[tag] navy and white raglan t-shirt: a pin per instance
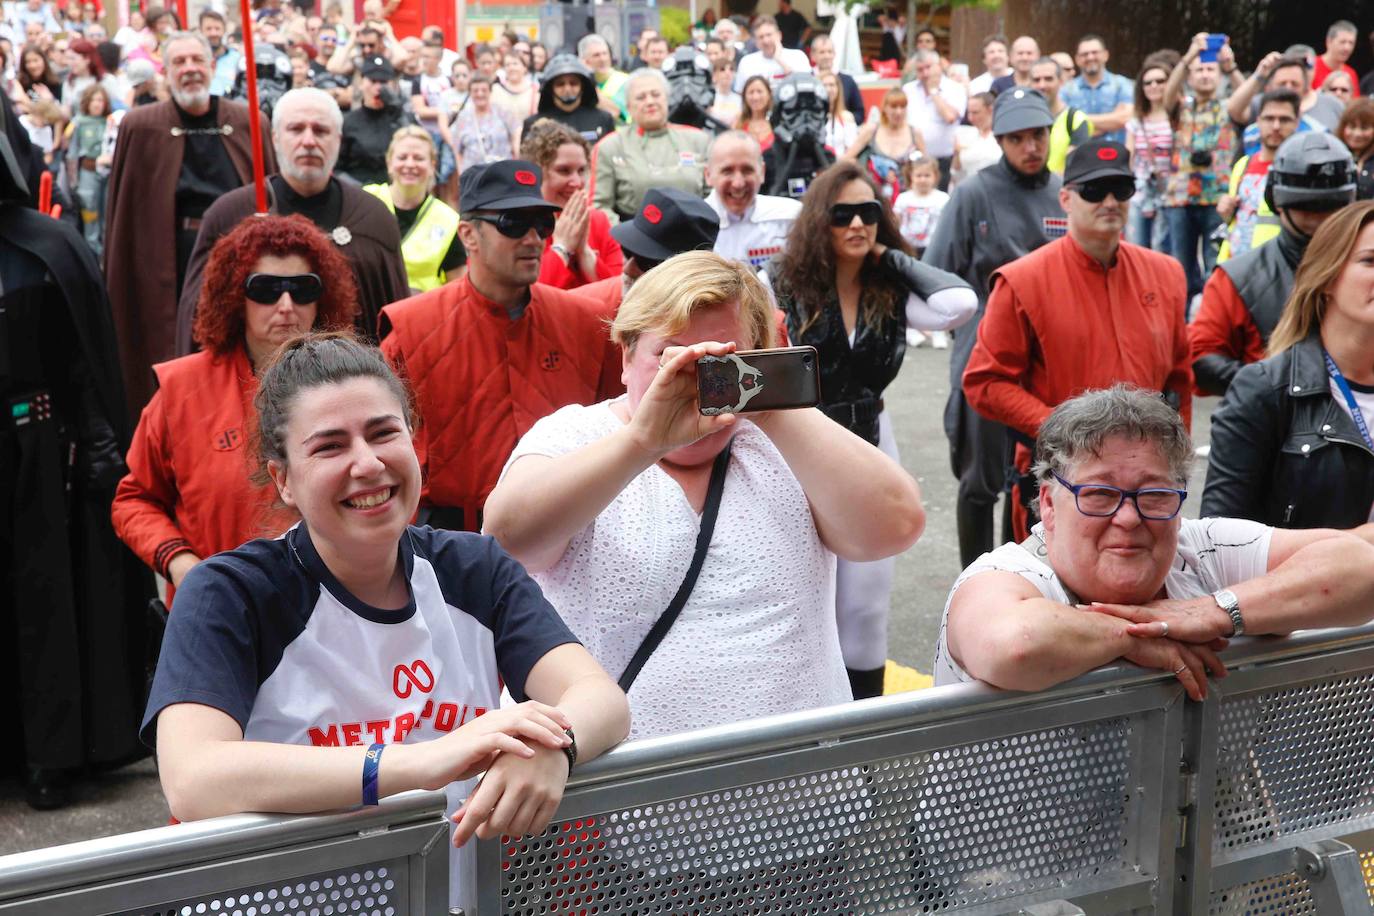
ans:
(268, 635)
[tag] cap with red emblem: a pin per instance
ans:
(670, 222)
(510, 184)
(1097, 159)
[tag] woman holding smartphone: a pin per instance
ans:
(604, 505)
(850, 287)
(357, 656)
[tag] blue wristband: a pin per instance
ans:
(371, 761)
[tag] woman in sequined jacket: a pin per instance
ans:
(850, 287)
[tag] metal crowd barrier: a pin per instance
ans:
(1111, 794)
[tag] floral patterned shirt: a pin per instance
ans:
(1203, 127)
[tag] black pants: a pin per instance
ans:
(38, 626)
(978, 454)
(946, 162)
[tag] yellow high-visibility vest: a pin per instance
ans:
(428, 240)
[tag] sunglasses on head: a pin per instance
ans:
(515, 224)
(267, 288)
(1094, 192)
(842, 215)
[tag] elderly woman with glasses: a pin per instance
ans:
(1113, 572)
(187, 494)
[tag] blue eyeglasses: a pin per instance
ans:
(1101, 501)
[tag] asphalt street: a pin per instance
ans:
(130, 799)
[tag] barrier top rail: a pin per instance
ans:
(739, 739)
(97, 860)
(105, 858)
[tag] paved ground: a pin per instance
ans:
(131, 800)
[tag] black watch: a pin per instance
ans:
(571, 749)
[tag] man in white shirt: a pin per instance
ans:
(996, 64)
(935, 106)
(771, 59)
(753, 226)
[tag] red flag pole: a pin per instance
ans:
(254, 113)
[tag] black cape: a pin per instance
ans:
(95, 631)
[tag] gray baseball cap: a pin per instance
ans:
(1020, 109)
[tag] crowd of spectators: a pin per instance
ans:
(506, 260)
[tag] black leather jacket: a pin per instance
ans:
(1284, 452)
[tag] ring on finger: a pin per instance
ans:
(1165, 625)
(1180, 669)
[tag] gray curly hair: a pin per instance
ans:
(1079, 427)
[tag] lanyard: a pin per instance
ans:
(1334, 371)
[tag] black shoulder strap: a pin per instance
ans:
(708, 526)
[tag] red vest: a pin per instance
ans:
(190, 461)
(481, 380)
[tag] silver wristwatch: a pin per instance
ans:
(1228, 602)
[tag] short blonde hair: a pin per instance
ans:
(665, 299)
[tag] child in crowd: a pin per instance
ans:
(918, 210)
(728, 105)
(43, 116)
(85, 145)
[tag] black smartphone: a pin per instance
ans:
(751, 380)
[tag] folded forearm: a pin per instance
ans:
(1329, 583)
(599, 712)
(231, 777)
(1041, 643)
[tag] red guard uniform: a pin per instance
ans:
(1224, 325)
(481, 381)
(187, 488)
(1058, 323)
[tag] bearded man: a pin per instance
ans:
(171, 161)
(306, 133)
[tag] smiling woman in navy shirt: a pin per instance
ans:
(291, 664)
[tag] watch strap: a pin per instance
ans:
(1228, 602)
(571, 749)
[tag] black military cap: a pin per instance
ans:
(510, 184)
(668, 223)
(1097, 159)
(378, 69)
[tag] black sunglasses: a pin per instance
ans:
(515, 224)
(1094, 192)
(267, 288)
(842, 215)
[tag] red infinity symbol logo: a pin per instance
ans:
(412, 678)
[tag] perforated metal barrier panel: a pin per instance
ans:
(1291, 761)
(918, 833)
(374, 891)
(1294, 759)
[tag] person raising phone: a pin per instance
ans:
(603, 505)
(357, 656)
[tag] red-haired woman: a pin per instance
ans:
(84, 69)
(187, 494)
